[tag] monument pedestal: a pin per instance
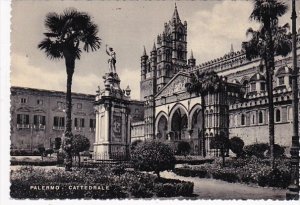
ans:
(112, 120)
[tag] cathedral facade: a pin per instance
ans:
(172, 114)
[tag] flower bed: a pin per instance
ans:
(130, 184)
(250, 170)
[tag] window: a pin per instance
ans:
(253, 87)
(79, 123)
(39, 121)
(253, 119)
(22, 121)
(158, 73)
(39, 102)
(23, 100)
(59, 123)
(261, 68)
(262, 86)
(290, 113)
(180, 35)
(92, 124)
(260, 117)
(180, 52)
(246, 85)
(281, 80)
(79, 105)
(168, 55)
(243, 119)
(159, 56)
(277, 115)
(60, 104)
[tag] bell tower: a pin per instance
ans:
(171, 49)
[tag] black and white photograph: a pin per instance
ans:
(153, 100)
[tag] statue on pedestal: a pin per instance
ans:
(112, 60)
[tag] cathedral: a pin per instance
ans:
(171, 114)
(166, 111)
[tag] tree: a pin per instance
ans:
(202, 83)
(65, 34)
(79, 144)
(221, 142)
(134, 144)
(153, 156)
(236, 146)
(269, 41)
(183, 148)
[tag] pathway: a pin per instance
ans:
(217, 189)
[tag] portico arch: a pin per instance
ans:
(161, 125)
(178, 122)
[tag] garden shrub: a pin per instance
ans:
(183, 148)
(173, 187)
(153, 156)
(134, 144)
(189, 172)
(236, 146)
(140, 190)
(278, 151)
(225, 175)
(274, 178)
(131, 183)
(49, 151)
(33, 162)
(257, 149)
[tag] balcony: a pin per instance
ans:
(58, 128)
(92, 129)
(79, 129)
(39, 127)
(23, 126)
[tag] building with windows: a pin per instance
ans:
(172, 114)
(38, 117)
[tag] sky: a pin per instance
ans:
(126, 26)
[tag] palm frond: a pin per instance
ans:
(52, 49)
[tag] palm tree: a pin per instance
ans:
(270, 40)
(203, 83)
(65, 33)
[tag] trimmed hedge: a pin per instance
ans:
(33, 163)
(192, 160)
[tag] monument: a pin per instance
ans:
(112, 116)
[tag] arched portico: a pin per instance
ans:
(178, 122)
(161, 126)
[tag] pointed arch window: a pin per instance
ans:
(180, 52)
(180, 34)
(159, 58)
(168, 55)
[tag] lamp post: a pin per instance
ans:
(293, 189)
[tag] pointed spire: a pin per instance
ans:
(192, 56)
(144, 54)
(176, 15)
(154, 47)
(231, 49)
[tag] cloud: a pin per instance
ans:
(211, 32)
